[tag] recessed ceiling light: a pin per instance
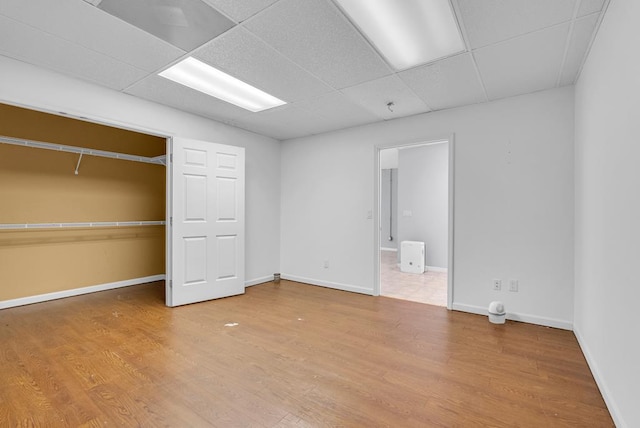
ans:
(407, 32)
(211, 81)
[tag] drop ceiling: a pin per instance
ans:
(305, 52)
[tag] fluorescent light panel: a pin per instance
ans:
(211, 81)
(407, 32)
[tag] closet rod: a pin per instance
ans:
(18, 226)
(158, 160)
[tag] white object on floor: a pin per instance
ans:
(412, 256)
(497, 314)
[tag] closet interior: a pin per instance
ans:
(82, 204)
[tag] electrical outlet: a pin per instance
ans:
(513, 285)
(326, 264)
(497, 284)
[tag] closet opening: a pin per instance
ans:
(83, 207)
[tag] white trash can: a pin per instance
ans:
(497, 314)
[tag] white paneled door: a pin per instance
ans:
(206, 230)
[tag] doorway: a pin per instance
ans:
(84, 206)
(415, 222)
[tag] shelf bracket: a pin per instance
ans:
(78, 165)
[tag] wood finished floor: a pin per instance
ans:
(299, 356)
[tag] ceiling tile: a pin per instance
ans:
(307, 53)
(525, 64)
(27, 44)
(580, 38)
(491, 21)
(590, 6)
(282, 123)
(327, 113)
(246, 57)
(164, 91)
(451, 82)
(338, 111)
(315, 35)
(375, 95)
(93, 29)
(186, 24)
(240, 10)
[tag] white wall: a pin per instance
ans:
(513, 203)
(423, 190)
(608, 210)
(30, 86)
(389, 158)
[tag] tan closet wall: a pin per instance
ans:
(39, 186)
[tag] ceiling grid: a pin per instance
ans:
(305, 52)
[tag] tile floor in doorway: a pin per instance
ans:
(429, 287)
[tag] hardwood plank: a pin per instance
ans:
(299, 356)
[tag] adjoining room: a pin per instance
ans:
(414, 219)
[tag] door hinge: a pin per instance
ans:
(171, 284)
(170, 221)
(171, 157)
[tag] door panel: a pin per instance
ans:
(227, 203)
(207, 227)
(195, 257)
(227, 263)
(195, 189)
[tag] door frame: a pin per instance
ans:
(450, 140)
(168, 228)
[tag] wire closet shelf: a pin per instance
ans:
(158, 160)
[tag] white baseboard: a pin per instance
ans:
(328, 284)
(257, 281)
(595, 371)
(388, 249)
(78, 291)
(531, 319)
(430, 268)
